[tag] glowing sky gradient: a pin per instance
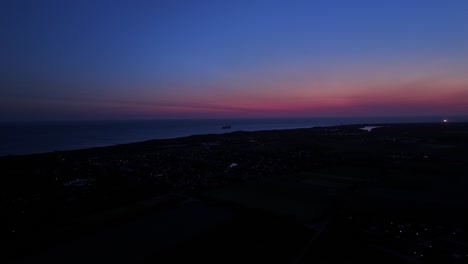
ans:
(187, 59)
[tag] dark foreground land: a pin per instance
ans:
(396, 194)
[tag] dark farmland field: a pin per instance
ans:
(395, 194)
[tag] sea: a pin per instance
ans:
(20, 138)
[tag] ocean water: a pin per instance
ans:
(37, 137)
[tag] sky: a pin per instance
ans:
(99, 59)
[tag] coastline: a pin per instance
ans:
(42, 137)
(92, 140)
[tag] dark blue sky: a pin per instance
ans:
(151, 59)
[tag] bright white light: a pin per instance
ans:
(445, 120)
